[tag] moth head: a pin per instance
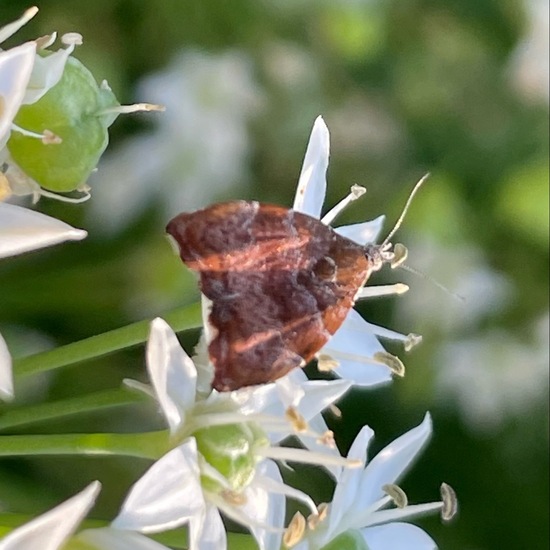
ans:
(386, 253)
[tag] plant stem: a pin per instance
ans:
(183, 318)
(151, 445)
(91, 402)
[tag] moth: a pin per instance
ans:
(280, 283)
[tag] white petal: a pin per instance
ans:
(347, 488)
(167, 495)
(46, 73)
(6, 376)
(15, 70)
(319, 394)
(391, 463)
(362, 233)
(353, 346)
(22, 230)
(50, 530)
(172, 373)
(398, 536)
(312, 184)
(206, 531)
(116, 539)
(265, 505)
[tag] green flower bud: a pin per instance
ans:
(230, 449)
(75, 110)
(350, 540)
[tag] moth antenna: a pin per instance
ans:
(431, 279)
(405, 209)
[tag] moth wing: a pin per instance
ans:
(280, 282)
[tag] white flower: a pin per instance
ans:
(22, 230)
(253, 496)
(362, 495)
(50, 530)
(354, 347)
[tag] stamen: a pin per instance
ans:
(391, 361)
(295, 530)
(136, 107)
(326, 363)
(450, 502)
(381, 290)
(400, 254)
(412, 341)
(12, 28)
(233, 498)
(314, 520)
(356, 191)
(61, 198)
(46, 136)
(397, 494)
(296, 419)
(327, 439)
(307, 457)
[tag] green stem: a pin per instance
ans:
(151, 445)
(91, 402)
(183, 318)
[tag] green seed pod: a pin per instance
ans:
(74, 110)
(230, 449)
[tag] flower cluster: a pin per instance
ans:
(220, 453)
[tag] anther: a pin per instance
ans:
(391, 361)
(450, 502)
(295, 530)
(49, 138)
(327, 439)
(335, 410)
(72, 39)
(397, 494)
(326, 363)
(296, 419)
(233, 498)
(400, 254)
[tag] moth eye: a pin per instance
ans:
(325, 269)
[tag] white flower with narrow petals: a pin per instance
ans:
(52, 529)
(359, 505)
(354, 351)
(224, 443)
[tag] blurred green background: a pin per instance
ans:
(455, 87)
